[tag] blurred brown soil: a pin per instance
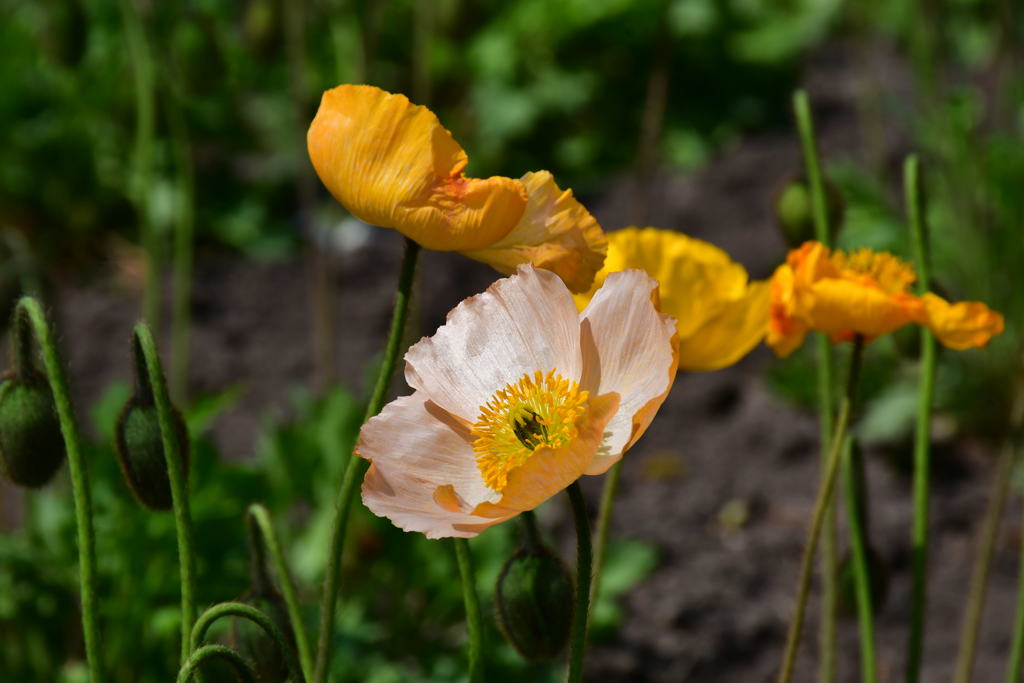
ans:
(717, 606)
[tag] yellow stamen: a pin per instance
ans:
(536, 412)
(892, 274)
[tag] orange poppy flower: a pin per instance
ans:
(864, 293)
(391, 163)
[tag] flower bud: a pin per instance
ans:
(140, 450)
(534, 598)
(255, 644)
(31, 443)
(794, 210)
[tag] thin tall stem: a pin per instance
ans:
(604, 517)
(474, 620)
(983, 565)
(261, 517)
(922, 436)
(357, 466)
(820, 507)
(142, 154)
(856, 499)
(148, 358)
(581, 609)
(1013, 671)
(824, 362)
(29, 313)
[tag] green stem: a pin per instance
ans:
(1013, 671)
(584, 567)
(853, 476)
(259, 514)
(474, 620)
(922, 436)
(823, 355)
(145, 121)
(242, 666)
(604, 517)
(983, 565)
(820, 507)
(149, 359)
(357, 466)
(532, 539)
(258, 617)
(30, 313)
(184, 227)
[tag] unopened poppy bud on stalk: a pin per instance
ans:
(794, 210)
(534, 600)
(31, 444)
(140, 450)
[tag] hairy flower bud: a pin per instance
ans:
(794, 210)
(140, 450)
(31, 444)
(534, 599)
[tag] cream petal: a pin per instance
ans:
(521, 324)
(412, 504)
(414, 443)
(631, 349)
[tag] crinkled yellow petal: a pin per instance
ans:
(785, 331)
(392, 164)
(962, 325)
(731, 334)
(556, 233)
(548, 471)
(843, 309)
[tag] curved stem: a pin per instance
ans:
(817, 521)
(29, 312)
(583, 576)
(259, 514)
(147, 359)
(983, 565)
(853, 484)
(474, 620)
(242, 666)
(604, 517)
(244, 611)
(922, 436)
(823, 355)
(357, 466)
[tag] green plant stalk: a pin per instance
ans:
(584, 566)
(258, 617)
(145, 348)
(823, 357)
(604, 517)
(31, 313)
(242, 666)
(983, 565)
(820, 508)
(145, 123)
(259, 514)
(858, 528)
(1013, 670)
(357, 466)
(474, 619)
(181, 320)
(922, 437)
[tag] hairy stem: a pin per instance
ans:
(581, 610)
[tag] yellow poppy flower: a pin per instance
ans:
(720, 314)
(864, 293)
(515, 397)
(391, 163)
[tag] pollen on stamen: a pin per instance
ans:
(889, 272)
(538, 411)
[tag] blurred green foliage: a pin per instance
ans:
(523, 85)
